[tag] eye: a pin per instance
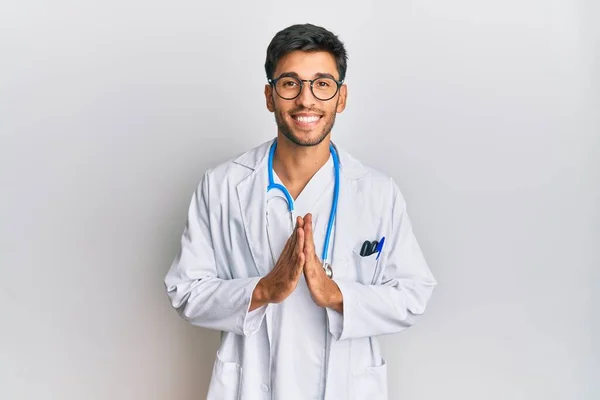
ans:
(325, 84)
(289, 83)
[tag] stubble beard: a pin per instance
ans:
(286, 129)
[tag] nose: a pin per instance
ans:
(305, 99)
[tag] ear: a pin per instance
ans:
(341, 105)
(269, 98)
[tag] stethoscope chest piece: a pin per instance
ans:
(328, 270)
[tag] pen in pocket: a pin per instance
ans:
(380, 247)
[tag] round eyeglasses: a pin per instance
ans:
(288, 87)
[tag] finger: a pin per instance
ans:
(300, 241)
(309, 244)
(308, 223)
(301, 260)
(290, 245)
(299, 247)
(292, 240)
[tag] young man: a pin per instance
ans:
(296, 251)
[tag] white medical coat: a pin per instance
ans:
(224, 253)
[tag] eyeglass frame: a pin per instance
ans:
(273, 83)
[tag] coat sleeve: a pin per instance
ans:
(193, 284)
(401, 293)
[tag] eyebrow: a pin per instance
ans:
(316, 76)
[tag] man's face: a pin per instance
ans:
(306, 120)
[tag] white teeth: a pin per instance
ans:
(307, 120)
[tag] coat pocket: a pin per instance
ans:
(225, 381)
(365, 267)
(371, 383)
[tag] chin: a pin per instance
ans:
(305, 138)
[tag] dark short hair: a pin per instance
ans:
(306, 37)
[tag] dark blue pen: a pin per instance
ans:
(379, 247)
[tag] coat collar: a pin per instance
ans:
(254, 159)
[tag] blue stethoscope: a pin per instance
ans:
(290, 201)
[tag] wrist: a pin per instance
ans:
(261, 294)
(336, 298)
(259, 297)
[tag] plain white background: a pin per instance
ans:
(485, 112)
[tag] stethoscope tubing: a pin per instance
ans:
(290, 201)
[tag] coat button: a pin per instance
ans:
(264, 388)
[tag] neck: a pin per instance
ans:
(295, 165)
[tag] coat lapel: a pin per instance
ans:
(346, 220)
(252, 196)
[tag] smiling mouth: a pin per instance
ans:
(305, 120)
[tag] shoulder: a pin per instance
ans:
(369, 181)
(239, 167)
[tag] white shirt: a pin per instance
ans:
(298, 363)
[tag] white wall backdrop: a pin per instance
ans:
(486, 113)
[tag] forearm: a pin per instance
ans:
(213, 303)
